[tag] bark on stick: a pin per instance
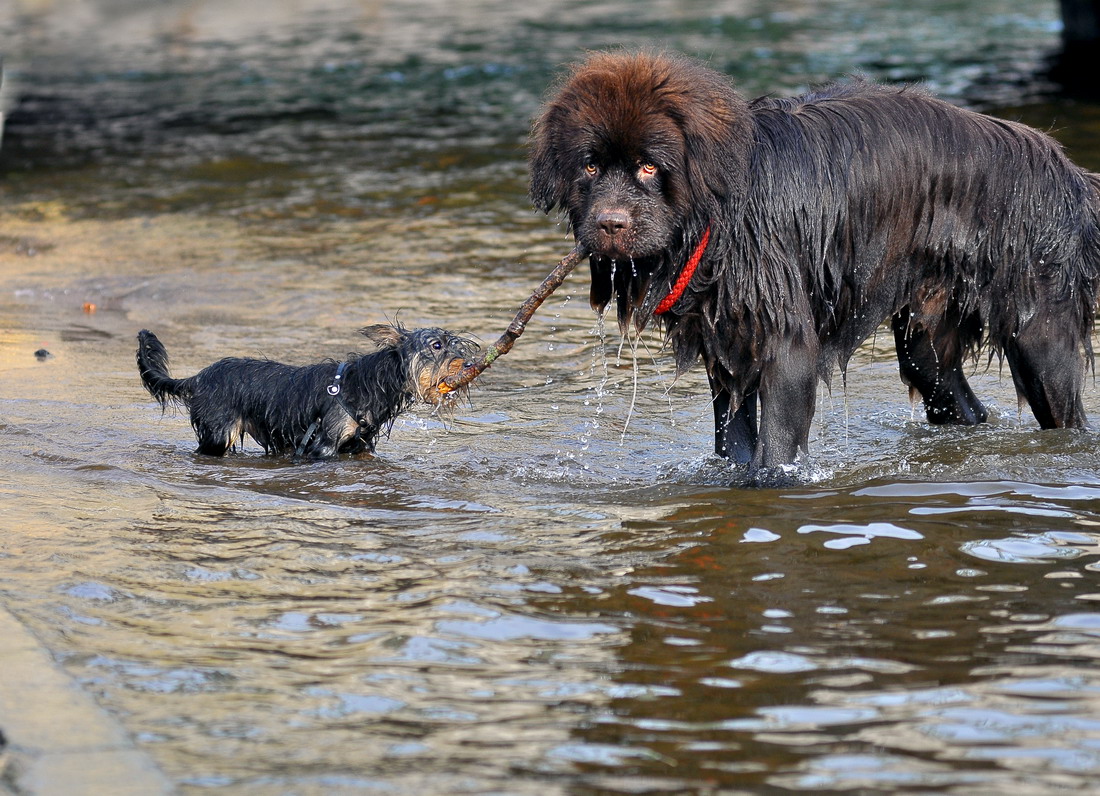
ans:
(518, 324)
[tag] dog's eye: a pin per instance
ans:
(437, 345)
(646, 170)
(591, 169)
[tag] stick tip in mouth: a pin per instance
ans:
(442, 392)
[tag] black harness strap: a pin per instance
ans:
(335, 390)
(307, 438)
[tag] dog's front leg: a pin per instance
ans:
(734, 432)
(788, 393)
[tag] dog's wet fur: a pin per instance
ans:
(306, 411)
(828, 214)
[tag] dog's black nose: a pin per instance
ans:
(613, 222)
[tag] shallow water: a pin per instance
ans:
(533, 596)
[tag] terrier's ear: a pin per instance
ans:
(383, 335)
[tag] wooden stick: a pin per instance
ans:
(519, 323)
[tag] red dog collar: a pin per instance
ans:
(685, 275)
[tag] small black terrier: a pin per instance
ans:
(313, 411)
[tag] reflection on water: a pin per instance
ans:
(534, 598)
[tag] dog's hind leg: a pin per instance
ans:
(216, 429)
(212, 446)
(734, 432)
(932, 364)
(214, 441)
(1048, 367)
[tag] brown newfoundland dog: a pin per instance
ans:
(771, 237)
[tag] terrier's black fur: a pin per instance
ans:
(313, 411)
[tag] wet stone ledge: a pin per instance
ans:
(58, 741)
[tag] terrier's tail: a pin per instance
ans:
(152, 362)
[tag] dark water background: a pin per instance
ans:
(557, 592)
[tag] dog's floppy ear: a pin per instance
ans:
(549, 186)
(383, 335)
(718, 133)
